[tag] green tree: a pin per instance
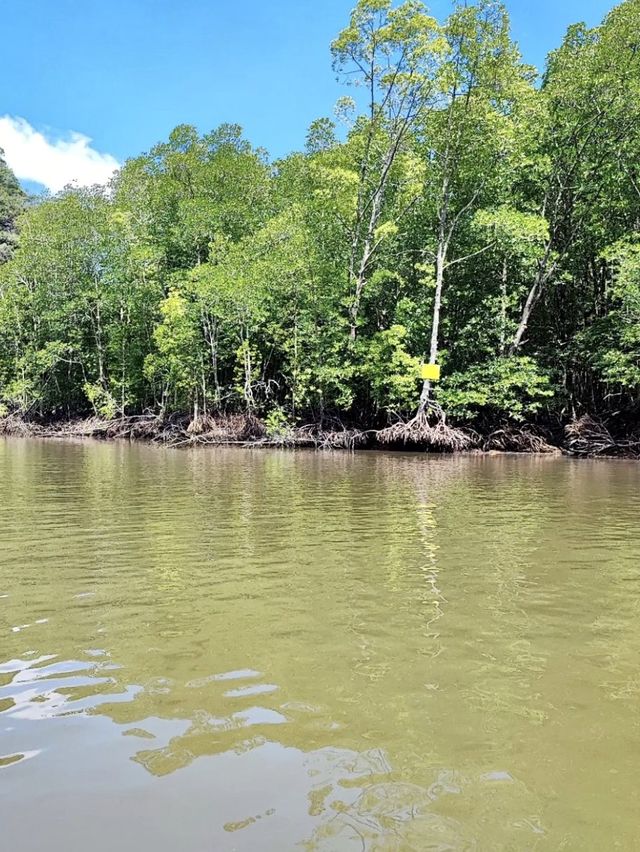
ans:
(12, 200)
(394, 54)
(472, 139)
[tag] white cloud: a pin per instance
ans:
(52, 162)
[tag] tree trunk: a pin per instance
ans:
(98, 335)
(370, 246)
(444, 236)
(503, 305)
(367, 252)
(210, 329)
(123, 359)
(435, 326)
(248, 374)
(529, 305)
(545, 271)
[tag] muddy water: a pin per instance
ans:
(236, 650)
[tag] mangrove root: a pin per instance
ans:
(518, 440)
(431, 433)
(589, 437)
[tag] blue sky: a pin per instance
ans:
(122, 73)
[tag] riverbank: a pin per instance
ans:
(586, 437)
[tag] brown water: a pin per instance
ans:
(236, 650)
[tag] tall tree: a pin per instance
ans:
(394, 53)
(472, 138)
(12, 200)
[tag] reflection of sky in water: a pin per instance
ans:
(257, 650)
(338, 798)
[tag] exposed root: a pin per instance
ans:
(584, 437)
(222, 429)
(202, 424)
(589, 437)
(327, 439)
(518, 440)
(142, 427)
(434, 434)
(12, 425)
(173, 431)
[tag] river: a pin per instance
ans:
(259, 650)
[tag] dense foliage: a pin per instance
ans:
(459, 211)
(11, 201)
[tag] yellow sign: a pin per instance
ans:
(431, 372)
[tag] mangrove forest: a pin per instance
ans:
(462, 215)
